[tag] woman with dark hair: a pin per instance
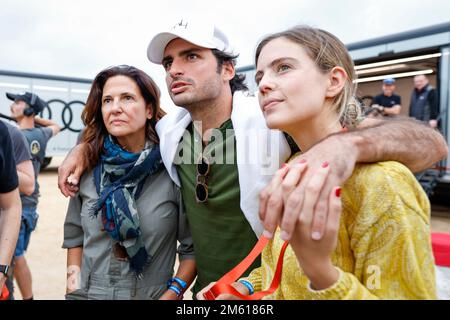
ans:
(122, 227)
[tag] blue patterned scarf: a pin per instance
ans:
(119, 178)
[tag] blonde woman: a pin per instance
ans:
(376, 239)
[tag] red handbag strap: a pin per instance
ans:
(224, 283)
(4, 294)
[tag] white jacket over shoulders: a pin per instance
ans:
(260, 151)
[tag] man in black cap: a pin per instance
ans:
(24, 110)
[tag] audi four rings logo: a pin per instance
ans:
(66, 113)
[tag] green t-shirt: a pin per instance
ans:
(221, 234)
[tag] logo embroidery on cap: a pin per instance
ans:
(180, 24)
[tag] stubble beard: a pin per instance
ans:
(198, 98)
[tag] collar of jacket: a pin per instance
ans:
(256, 165)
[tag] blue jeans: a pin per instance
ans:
(28, 224)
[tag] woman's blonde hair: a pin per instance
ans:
(328, 52)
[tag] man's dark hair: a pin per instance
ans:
(238, 81)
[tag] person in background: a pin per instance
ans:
(25, 173)
(424, 101)
(388, 103)
(9, 208)
(122, 227)
(24, 109)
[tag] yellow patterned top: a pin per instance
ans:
(384, 246)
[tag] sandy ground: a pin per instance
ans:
(47, 260)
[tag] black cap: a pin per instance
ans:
(31, 99)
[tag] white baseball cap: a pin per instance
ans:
(201, 33)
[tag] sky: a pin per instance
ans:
(80, 38)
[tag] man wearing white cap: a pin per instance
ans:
(222, 199)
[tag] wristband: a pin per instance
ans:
(180, 282)
(176, 290)
(249, 286)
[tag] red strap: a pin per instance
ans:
(224, 283)
(5, 293)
